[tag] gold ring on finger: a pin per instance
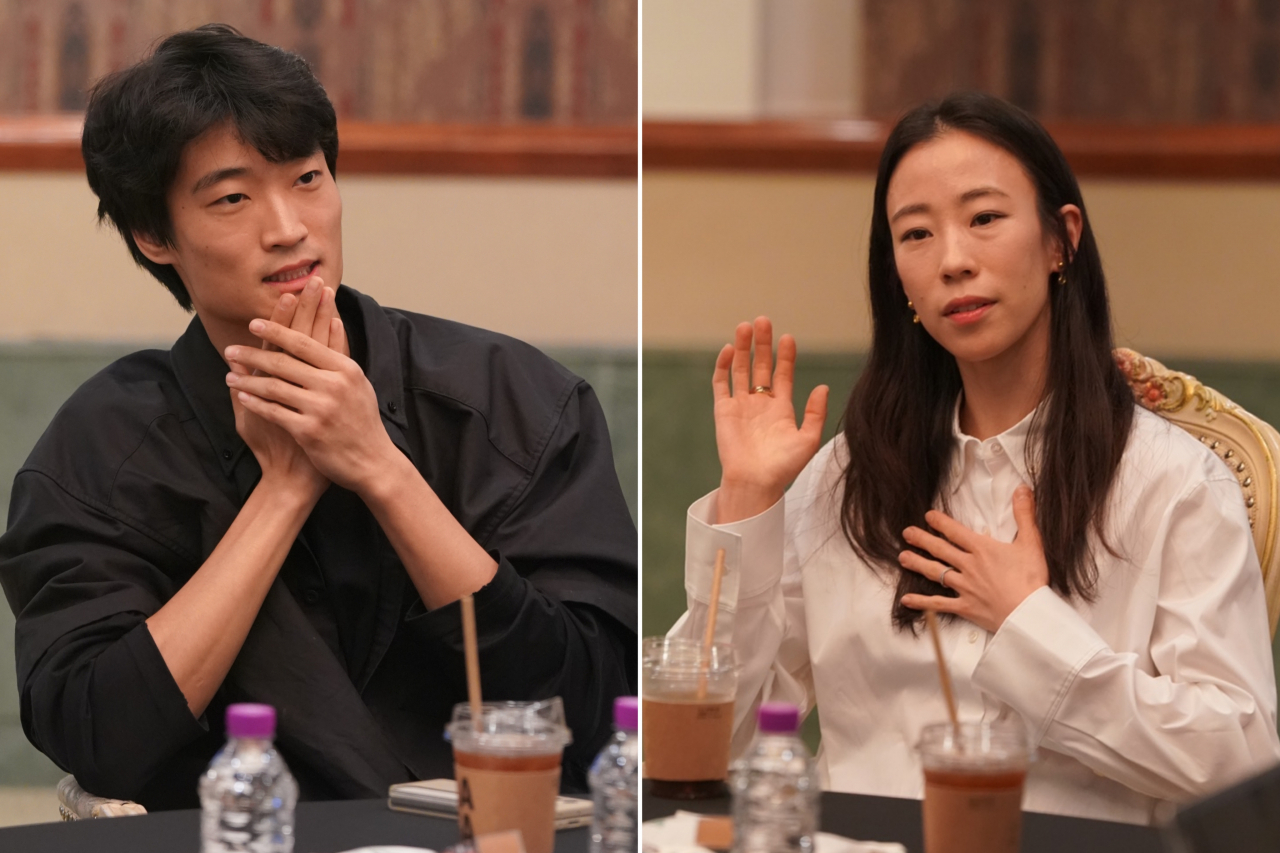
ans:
(763, 389)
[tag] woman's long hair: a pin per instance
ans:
(898, 423)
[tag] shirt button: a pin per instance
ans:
(311, 596)
(973, 636)
(226, 455)
(996, 450)
(392, 407)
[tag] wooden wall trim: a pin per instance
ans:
(53, 143)
(1153, 152)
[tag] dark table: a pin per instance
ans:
(869, 818)
(321, 828)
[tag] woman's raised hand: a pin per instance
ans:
(761, 448)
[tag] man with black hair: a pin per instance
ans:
(287, 506)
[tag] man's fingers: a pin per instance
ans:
(720, 376)
(308, 304)
(297, 344)
(282, 313)
(338, 337)
(283, 417)
(271, 388)
(762, 369)
(742, 358)
(324, 318)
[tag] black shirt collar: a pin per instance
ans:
(201, 373)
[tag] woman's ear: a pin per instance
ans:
(1074, 221)
(155, 251)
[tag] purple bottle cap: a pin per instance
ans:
(779, 718)
(626, 712)
(250, 720)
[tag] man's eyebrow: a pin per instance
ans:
(219, 175)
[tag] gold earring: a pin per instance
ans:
(915, 318)
(1062, 275)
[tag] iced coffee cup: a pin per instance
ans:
(688, 717)
(973, 786)
(508, 769)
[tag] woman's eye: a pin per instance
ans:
(310, 177)
(914, 234)
(986, 218)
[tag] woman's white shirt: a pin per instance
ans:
(1160, 690)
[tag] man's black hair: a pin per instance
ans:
(140, 119)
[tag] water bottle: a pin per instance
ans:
(247, 795)
(614, 777)
(775, 787)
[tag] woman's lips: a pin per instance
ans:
(966, 314)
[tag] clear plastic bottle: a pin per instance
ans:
(614, 781)
(248, 795)
(775, 787)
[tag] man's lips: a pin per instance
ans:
(293, 272)
(293, 278)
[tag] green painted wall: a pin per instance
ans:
(35, 379)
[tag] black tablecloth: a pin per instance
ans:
(891, 819)
(321, 828)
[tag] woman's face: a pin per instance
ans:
(970, 249)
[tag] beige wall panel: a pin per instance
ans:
(1194, 268)
(550, 261)
(702, 59)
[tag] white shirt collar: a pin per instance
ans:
(1012, 443)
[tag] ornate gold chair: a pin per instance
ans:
(75, 803)
(1249, 446)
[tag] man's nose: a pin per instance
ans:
(283, 224)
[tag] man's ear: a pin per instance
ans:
(155, 251)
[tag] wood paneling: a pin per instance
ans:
(53, 143)
(1164, 152)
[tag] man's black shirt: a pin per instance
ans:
(142, 472)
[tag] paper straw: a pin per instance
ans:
(472, 651)
(710, 637)
(943, 675)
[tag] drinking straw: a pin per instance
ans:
(472, 651)
(943, 675)
(711, 623)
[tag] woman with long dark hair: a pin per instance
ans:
(1093, 564)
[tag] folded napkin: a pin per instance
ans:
(679, 834)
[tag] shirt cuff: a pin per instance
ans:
(1032, 661)
(173, 719)
(752, 553)
(498, 603)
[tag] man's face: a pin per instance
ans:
(247, 230)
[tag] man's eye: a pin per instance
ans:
(310, 177)
(233, 198)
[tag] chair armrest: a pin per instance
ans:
(75, 803)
